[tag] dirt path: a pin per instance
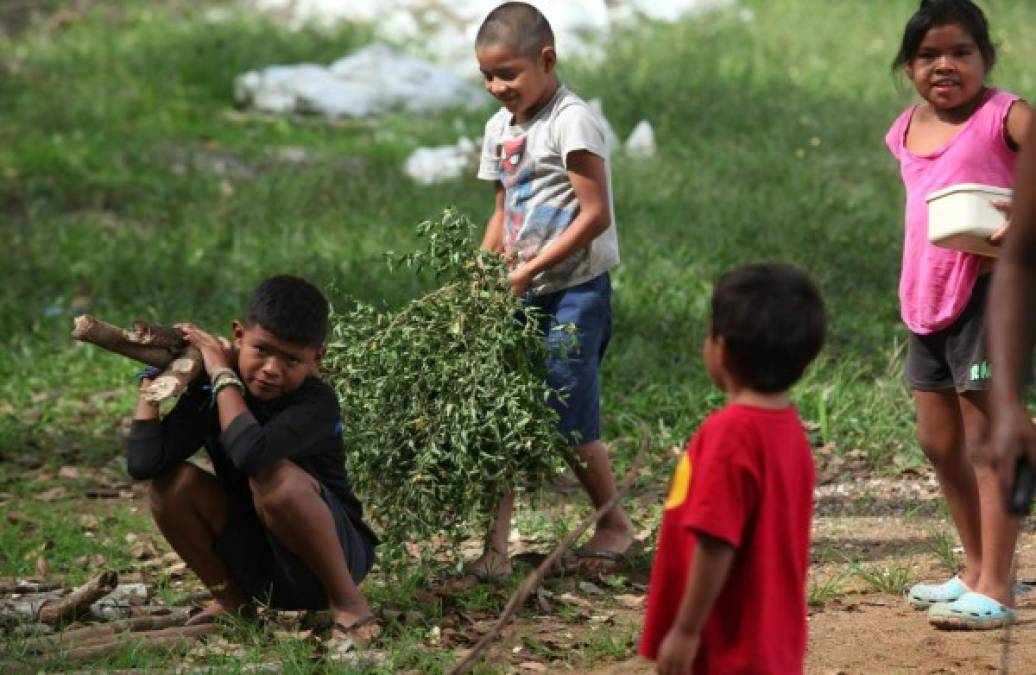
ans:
(869, 533)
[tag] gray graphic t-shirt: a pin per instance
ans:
(530, 160)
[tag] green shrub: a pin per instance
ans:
(444, 401)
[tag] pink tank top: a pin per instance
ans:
(935, 283)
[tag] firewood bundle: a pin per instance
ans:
(159, 346)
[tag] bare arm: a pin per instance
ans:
(1010, 306)
(706, 578)
(1017, 122)
(1016, 128)
(493, 239)
(589, 177)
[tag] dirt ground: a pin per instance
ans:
(891, 526)
(872, 538)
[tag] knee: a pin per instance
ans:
(978, 453)
(174, 488)
(280, 488)
(939, 447)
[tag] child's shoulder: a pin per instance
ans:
(498, 121)
(742, 423)
(313, 393)
(571, 104)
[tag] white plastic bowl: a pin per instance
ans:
(962, 217)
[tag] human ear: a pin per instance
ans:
(549, 57)
(238, 331)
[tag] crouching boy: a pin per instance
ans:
(727, 589)
(278, 523)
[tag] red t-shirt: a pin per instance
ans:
(747, 478)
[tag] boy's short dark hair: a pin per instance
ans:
(771, 319)
(935, 13)
(518, 25)
(291, 308)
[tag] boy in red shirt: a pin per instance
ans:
(728, 585)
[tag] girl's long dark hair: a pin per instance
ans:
(935, 13)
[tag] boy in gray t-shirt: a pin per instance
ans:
(547, 155)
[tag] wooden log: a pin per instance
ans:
(25, 586)
(20, 608)
(175, 378)
(159, 346)
(145, 333)
(78, 601)
(103, 632)
(165, 639)
(534, 578)
(114, 339)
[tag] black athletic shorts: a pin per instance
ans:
(956, 356)
(268, 572)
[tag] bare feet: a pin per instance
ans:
(489, 567)
(216, 608)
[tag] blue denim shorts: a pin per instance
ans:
(575, 369)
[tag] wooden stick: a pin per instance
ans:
(78, 601)
(145, 333)
(166, 638)
(114, 339)
(7, 587)
(158, 346)
(536, 576)
(175, 378)
(104, 631)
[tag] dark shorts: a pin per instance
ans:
(267, 571)
(956, 356)
(576, 370)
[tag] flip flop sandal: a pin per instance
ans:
(971, 611)
(621, 560)
(923, 596)
(346, 641)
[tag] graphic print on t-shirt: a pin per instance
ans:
(526, 227)
(681, 483)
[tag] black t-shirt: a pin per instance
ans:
(304, 426)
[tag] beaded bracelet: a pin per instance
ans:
(220, 372)
(227, 382)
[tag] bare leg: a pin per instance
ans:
(289, 503)
(999, 528)
(940, 432)
(614, 531)
(190, 509)
(494, 561)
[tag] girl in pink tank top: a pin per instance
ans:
(961, 132)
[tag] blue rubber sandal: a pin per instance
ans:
(923, 596)
(971, 611)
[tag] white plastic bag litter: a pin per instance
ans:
(428, 166)
(369, 82)
(641, 141)
(407, 81)
(444, 30)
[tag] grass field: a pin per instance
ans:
(130, 187)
